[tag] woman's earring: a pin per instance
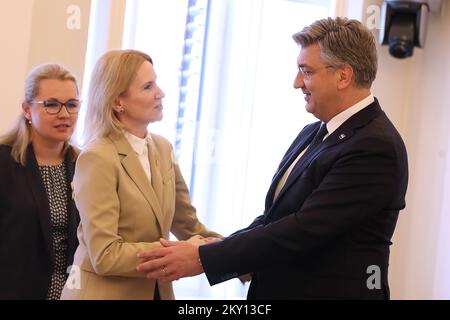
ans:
(29, 122)
(120, 109)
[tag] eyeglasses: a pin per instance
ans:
(55, 106)
(307, 74)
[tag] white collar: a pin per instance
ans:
(139, 145)
(340, 118)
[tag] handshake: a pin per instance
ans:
(176, 259)
(199, 240)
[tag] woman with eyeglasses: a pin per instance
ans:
(127, 186)
(38, 217)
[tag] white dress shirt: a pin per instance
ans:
(140, 147)
(332, 125)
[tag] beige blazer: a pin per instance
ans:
(121, 214)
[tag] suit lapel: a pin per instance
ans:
(133, 167)
(303, 141)
(341, 134)
(40, 196)
(330, 141)
(157, 183)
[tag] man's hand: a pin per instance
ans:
(177, 260)
(200, 240)
(196, 240)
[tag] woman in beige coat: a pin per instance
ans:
(127, 186)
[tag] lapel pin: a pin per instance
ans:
(342, 136)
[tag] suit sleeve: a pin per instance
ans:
(257, 222)
(95, 191)
(357, 187)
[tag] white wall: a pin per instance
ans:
(15, 27)
(35, 32)
(53, 40)
(421, 88)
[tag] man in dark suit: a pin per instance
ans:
(333, 204)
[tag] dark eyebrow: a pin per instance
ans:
(303, 66)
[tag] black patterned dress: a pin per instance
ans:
(55, 182)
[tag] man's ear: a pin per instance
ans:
(26, 110)
(345, 74)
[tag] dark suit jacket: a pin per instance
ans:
(26, 249)
(327, 235)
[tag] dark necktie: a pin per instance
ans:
(318, 138)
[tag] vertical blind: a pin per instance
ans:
(190, 88)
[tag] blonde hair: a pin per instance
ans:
(19, 137)
(344, 42)
(111, 77)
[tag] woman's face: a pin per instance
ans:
(52, 128)
(142, 102)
